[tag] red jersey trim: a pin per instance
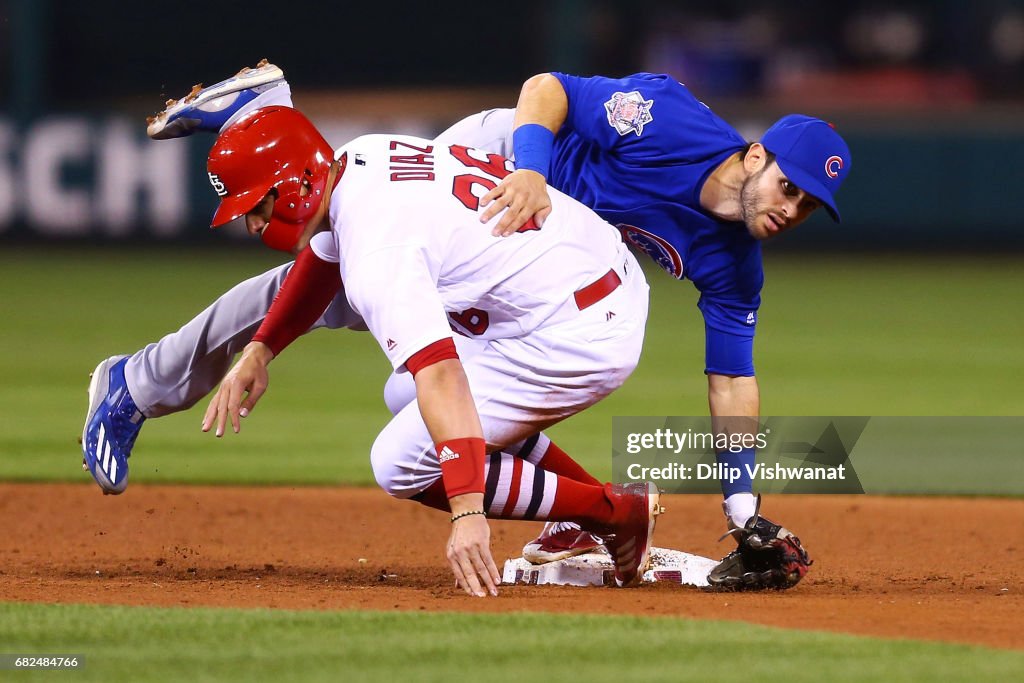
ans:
(442, 349)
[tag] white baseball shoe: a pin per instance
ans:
(208, 109)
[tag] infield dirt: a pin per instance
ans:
(928, 568)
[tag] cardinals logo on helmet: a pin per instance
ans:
(218, 185)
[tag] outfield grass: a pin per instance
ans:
(134, 643)
(857, 335)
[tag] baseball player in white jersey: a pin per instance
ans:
(558, 314)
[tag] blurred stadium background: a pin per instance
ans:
(929, 95)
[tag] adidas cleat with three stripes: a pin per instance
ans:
(112, 424)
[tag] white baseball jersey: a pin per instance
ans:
(417, 262)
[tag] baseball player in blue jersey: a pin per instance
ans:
(680, 183)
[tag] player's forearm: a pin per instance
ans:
(449, 413)
(735, 405)
(542, 101)
(446, 403)
(733, 396)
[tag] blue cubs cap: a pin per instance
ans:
(811, 154)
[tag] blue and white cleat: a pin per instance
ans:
(208, 109)
(111, 426)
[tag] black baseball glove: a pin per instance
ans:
(767, 556)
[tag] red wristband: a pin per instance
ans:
(462, 465)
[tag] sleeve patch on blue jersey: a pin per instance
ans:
(659, 249)
(629, 112)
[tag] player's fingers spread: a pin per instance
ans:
(459, 556)
(219, 416)
(482, 569)
(252, 399)
(467, 577)
(502, 227)
(512, 220)
(461, 567)
(235, 407)
(491, 195)
(492, 568)
(471, 577)
(542, 216)
(517, 222)
(460, 577)
(247, 405)
(228, 407)
(211, 413)
(222, 413)
(460, 580)
(495, 208)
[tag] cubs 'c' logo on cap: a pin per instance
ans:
(218, 185)
(629, 112)
(833, 165)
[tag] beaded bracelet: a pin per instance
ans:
(467, 514)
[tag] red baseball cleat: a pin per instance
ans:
(629, 541)
(558, 541)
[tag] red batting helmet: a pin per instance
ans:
(270, 148)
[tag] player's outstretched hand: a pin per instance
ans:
(247, 379)
(469, 554)
(525, 194)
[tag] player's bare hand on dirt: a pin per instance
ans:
(525, 194)
(240, 389)
(469, 554)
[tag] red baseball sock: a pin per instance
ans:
(516, 489)
(558, 461)
(589, 506)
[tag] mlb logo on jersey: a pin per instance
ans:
(629, 112)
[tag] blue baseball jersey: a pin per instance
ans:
(638, 150)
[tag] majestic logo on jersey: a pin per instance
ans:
(751, 318)
(833, 165)
(218, 185)
(663, 253)
(629, 112)
(391, 344)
